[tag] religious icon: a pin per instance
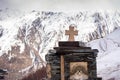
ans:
(78, 71)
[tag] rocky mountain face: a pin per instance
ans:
(24, 41)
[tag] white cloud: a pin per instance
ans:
(64, 5)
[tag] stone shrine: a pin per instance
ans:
(3, 73)
(71, 60)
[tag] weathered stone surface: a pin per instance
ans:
(69, 44)
(3, 73)
(72, 52)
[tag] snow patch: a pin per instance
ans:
(108, 63)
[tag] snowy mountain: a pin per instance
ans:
(108, 62)
(6, 13)
(24, 41)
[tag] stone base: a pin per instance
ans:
(95, 79)
(71, 44)
(69, 56)
(57, 78)
(1, 77)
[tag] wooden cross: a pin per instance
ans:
(71, 32)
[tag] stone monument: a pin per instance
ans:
(3, 73)
(71, 61)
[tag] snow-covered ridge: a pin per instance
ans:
(91, 25)
(7, 13)
(33, 34)
(108, 62)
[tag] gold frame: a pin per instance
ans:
(78, 70)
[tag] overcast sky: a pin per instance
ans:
(61, 5)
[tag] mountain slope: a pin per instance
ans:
(24, 41)
(108, 62)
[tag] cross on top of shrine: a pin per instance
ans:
(71, 32)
